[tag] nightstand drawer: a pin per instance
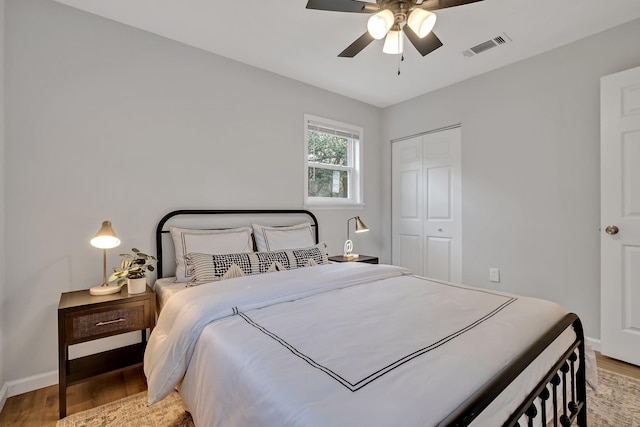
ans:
(106, 321)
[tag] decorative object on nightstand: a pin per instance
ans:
(362, 258)
(133, 268)
(348, 245)
(105, 239)
(83, 317)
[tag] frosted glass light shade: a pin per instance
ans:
(105, 238)
(380, 23)
(394, 43)
(421, 21)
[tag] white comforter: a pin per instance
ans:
(341, 344)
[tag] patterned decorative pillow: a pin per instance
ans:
(205, 268)
(276, 266)
(233, 272)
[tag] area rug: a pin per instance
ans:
(615, 404)
(133, 411)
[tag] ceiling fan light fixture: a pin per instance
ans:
(421, 21)
(380, 23)
(394, 43)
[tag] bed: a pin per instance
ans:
(303, 342)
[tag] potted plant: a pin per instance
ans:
(133, 268)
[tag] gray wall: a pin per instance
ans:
(530, 160)
(2, 209)
(108, 122)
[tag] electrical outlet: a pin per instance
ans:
(494, 275)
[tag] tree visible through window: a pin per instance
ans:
(333, 162)
(325, 152)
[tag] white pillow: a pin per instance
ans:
(213, 242)
(279, 238)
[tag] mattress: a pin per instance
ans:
(165, 288)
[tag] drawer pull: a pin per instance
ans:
(109, 322)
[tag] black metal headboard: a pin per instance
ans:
(247, 213)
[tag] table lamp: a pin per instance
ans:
(348, 245)
(105, 239)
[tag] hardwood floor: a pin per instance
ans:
(618, 366)
(40, 407)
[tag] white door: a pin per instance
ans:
(442, 202)
(406, 202)
(620, 215)
(426, 204)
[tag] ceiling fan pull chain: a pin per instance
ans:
(400, 59)
(400, 49)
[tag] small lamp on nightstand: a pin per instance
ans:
(105, 239)
(348, 245)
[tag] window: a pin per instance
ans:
(332, 162)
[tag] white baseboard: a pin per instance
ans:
(594, 343)
(3, 395)
(28, 384)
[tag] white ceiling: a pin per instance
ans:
(284, 37)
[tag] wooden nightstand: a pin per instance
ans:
(362, 258)
(84, 317)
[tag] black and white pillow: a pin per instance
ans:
(204, 268)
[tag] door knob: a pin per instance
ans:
(611, 229)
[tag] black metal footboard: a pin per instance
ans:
(563, 388)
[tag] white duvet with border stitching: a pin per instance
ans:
(339, 345)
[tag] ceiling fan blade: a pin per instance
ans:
(444, 4)
(355, 47)
(425, 45)
(343, 6)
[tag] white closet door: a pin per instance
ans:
(406, 201)
(426, 204)
(442, 200)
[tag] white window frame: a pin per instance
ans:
(354, 159)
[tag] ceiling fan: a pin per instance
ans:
(413, 17)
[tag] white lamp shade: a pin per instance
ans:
(421, 21)
(105, 238)
(394, 43)
(380, 23)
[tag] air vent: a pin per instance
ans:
(484, 46)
